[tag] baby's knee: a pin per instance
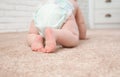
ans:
(72, 43)
(76, 41)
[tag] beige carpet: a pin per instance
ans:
(97, 57)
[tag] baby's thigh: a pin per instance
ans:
(71, 25)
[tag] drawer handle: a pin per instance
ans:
(108, 15)
(108, 1)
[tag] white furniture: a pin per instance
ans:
(104, 13)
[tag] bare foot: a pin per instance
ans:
(50, 40)
(37, 45)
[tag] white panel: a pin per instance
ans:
(15, 19)
(107, 16)
(104, 4)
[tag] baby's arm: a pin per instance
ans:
(81, 24)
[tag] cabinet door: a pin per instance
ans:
(107, 3)
(107, 16)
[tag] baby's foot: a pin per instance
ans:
(50, 40)
(37, 45)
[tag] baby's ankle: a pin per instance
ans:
(38, 38)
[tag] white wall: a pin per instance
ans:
(15, 15)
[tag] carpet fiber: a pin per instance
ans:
(99, 56)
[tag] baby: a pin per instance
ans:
(56, 22)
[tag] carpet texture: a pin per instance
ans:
(99, 56)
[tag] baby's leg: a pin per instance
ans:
(68, 36)
(50, 40)
(35, 41)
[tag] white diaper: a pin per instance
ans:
(52, 14)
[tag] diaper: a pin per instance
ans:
(52, 14)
